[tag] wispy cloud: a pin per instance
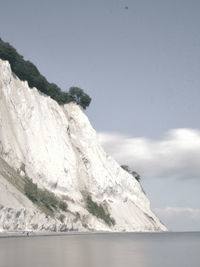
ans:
(184, 212)
(180, 218)
(175, 155)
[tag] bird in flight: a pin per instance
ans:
(126, 7)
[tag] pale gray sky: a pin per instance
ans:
(141, 66)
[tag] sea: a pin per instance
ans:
(170, 249)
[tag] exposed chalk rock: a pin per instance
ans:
(58, 149)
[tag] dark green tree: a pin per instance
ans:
(77, 95)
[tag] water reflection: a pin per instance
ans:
(102, 250)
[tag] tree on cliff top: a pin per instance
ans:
(27, 71)
(77, 95)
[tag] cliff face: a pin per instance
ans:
(58, 149)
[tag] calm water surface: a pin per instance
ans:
(102, 250)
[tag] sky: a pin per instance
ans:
(141, 66)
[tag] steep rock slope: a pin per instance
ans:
(57, 147)
(17, 212)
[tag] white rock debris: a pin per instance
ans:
(58, 149)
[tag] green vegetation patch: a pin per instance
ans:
(99, 211)
(43, 198)
(27, 71)
(46, 201)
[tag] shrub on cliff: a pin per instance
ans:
(61, 218)
(63, 205)
(133, 173)
(48, 199)
(31, 190)
(98, 211)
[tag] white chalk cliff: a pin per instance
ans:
(58, 149)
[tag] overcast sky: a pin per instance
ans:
(141, 66)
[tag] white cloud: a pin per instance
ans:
(171, 212)
(180, 218)
(176, 155)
